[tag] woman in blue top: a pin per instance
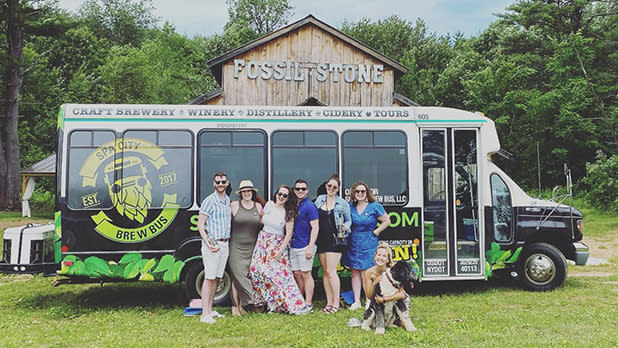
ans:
(363, 240)
(334, 216)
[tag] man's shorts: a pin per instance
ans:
(299, 262)
(214, 263)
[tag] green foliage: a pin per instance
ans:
(42, 201)
(261, 16)
(496, 259)
(121, 22)
(130, 267)
(601, 181)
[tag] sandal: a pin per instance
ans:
(330, 309)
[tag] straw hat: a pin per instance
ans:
(244, 185)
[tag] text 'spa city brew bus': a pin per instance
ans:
(131, 179)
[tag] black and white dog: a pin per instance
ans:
(382, 315)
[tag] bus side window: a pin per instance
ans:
(378, 158)
(89, 154)
(241, 154)
(502, 209)
(308, 155)
(157, 167)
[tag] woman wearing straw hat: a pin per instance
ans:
(246, 215)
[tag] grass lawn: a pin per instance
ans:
(582, 313)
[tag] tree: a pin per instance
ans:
(262, 16)
(20, 19)
(122, 22)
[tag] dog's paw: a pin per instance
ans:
(379, 331)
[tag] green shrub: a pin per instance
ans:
(42, 203)
(601, 182)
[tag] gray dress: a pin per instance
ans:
(243, 237)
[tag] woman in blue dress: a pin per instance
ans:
(363, 241)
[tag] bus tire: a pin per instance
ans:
(195, 278)
(543, 267)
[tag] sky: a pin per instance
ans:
(207, 17)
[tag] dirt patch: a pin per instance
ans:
(606, 248)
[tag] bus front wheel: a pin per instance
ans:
(195, 278)
(543, 267)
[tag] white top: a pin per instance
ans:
(274, 219)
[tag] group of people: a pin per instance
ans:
(271, 245)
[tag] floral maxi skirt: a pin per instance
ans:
(272, 280)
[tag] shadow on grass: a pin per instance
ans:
(455, 287)
(81, 300)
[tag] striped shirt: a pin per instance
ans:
(219, 215)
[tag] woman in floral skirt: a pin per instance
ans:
(270, 272)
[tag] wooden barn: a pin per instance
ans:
(305, 63)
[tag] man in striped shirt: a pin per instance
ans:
(214, 224)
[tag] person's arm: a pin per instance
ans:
(289, 229)
(384, 222)
(315, 227)
(371, 280)
(234, 207)
(347, 218)
(201, 227)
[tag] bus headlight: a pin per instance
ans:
(580, 225)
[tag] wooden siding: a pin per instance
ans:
(308, 45)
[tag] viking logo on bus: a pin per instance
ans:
(128, 168)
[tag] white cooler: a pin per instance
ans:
(28, 249)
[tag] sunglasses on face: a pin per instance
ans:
(332, 187)
(284, 195)
(361, 191)
(246, 191)
(300, 189)
(220, 182)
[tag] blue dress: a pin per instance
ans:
(362, 243)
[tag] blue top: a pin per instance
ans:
(362, 243)
(367, 220)
(219, 215)
(302, 228)
(342, 211)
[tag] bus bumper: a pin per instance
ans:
(582, 252)
(45, 268)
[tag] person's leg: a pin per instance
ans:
(208, 294)
(326, 278)
(362, 276)
(356, 287)
(298, 276)
(309, 287)
(332, 260)
(235, 302)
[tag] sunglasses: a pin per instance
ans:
(284, 195)
(220, 182)
(332, 186)
(300, 189)
(361, 191)
(246, 191)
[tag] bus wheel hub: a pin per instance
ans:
(540, 268)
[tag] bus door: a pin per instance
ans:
(451, 239)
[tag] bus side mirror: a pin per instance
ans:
(567, 174)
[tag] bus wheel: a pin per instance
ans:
(195, 278)
(544, 267)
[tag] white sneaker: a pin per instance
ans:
(216, 314)
(304, 310)
(355, 306)
(208, 319)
